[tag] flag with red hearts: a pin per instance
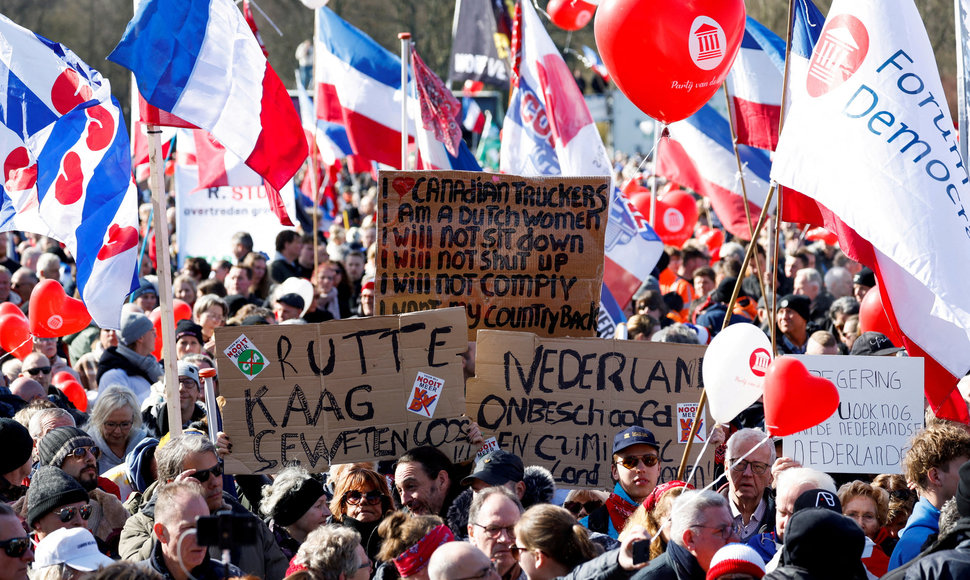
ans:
(67, 166)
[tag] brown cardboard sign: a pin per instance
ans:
(342, 391)
(559, 402)
(518, 253)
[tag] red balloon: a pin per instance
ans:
(62, 377)
(570, 14)
(182, 310)
(712, 238)
(53, 313)
(676, 217)
(15, 335)
(11, 308)
(873, 317)
(689, 45)
(795, 399)
(822, 234)
(75, 393)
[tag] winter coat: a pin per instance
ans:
(540, 487)
(676, 563)
(923, 522)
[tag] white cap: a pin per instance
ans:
(75, 547)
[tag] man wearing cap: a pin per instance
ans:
(635, 469)
(288, 307)
(862, 282)
(790, 484)
(76, 454)
(874, 344)
(188, 338)
(15, 461)
(74, 548)
(132, 363)
(155, 418)
(145, 296)
(55, 500)
(793, 324)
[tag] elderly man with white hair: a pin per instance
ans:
(748, 459)
(808, 282)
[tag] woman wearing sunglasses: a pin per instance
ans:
(361, 499)
(549, 542)
(294, 506)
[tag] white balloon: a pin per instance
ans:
(734, 370)
(294, 285)
(313, 4)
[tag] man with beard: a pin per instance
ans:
(491, 528)
(75, 453)
(424, 478)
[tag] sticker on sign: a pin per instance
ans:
(424, 394)
(247, 358)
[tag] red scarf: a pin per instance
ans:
(620, 511)
(416, 557)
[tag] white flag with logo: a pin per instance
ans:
(871, 139)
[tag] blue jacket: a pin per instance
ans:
(924, 521)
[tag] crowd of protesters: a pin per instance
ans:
(102, 489)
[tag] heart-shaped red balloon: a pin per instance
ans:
(62, 377)
(669, 58)
(15, 335)
(570, 14)
(676, 215)
(873, 317)
(795, 399)
(53, 313)
(11, 308)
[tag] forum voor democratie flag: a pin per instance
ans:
(67, 165)
(870, 139)
(200, 60)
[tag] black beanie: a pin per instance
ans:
(963, 491)
(51, 488)
(16, 444)
(54, 447)
(297, 502)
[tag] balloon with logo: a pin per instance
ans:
(734, 369)
(821, 234)
(570, 14)
(53, 313)
(873, 317)
(795, 399)
(676, 217)
(690, 46)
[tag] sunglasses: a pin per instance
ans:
(67, 514)
(39, 370)
(370, 498)
(632, 461)
(80, 452)
(590, 506)
(15, 547)
(202, 475)
(516, 551)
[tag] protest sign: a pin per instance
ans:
(558, 402)
(217, 213)
(339, 391)
(519, 253)
(880, 409)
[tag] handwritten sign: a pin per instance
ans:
(338, 392)
(518, 253)
(559, 402)
(880, 409)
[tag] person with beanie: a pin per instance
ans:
(132, 363)
(188, 338)
(821, 543)
(76, 454)
(55, 500)
(793, 323)
(736, 561)
(155, 418)
(15, 461)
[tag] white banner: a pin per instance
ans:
(880, 409)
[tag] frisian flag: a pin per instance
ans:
(199, 60)
(755, 86)
(548, 130)
(700, 155)
(67, 165)
(358, 85)
(892, 189)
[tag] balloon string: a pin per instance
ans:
(726, 467)
(4, 357)
(653, 149)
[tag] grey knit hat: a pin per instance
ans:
(134, 325)
(55, 446)
(51, 488)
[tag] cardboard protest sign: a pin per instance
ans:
(880, 409)
(340, 391)
(519, 253)
(559, 402)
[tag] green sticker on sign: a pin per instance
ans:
(247, 358)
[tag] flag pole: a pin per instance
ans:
(744, 189)
(313, 154)
(698, 416)
(405, 38)
(960, 16)
(165, 297)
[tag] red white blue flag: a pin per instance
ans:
(473, 119)
(755, 85)
(67, 165)
(892, 188)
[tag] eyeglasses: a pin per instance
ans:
(725, 531)
(632, 461)
(590, 506)
(202, 475)
(39, 340)
(15, 547)
(188, 384)
(123, 425)
(67, 514)
(757, 467)
(490, 569)
(494, 532)
(517, 550)
(355, 497)
(866, 517)
(38, 371)
(80, 452)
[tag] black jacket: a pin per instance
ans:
(110, 359)
(676, 563)
(209, 569)
(949, 552)
(540, 487)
